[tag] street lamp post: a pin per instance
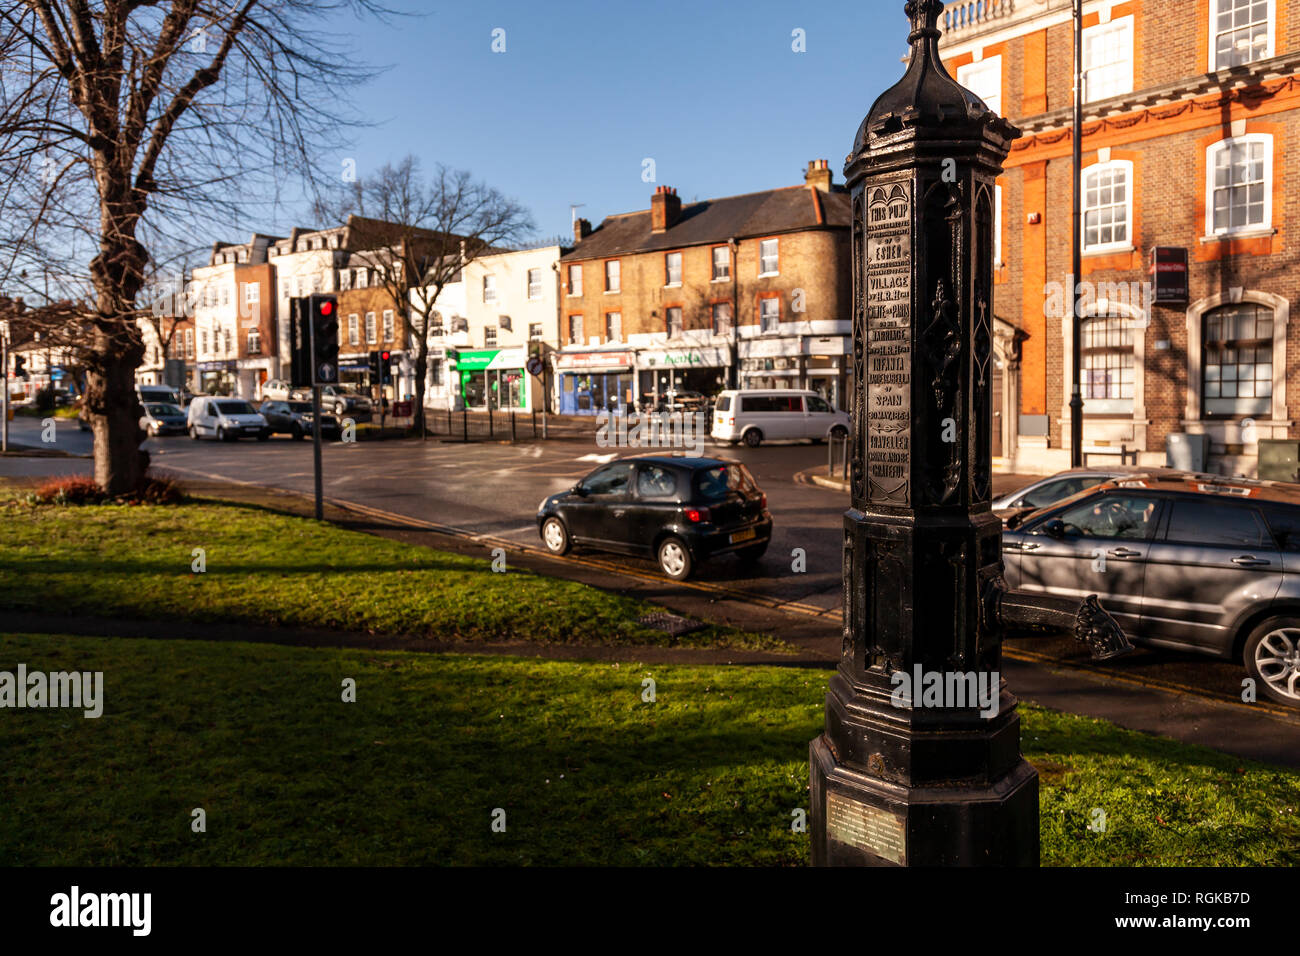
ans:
(1076, 322)
(902, 776)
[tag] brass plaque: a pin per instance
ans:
(867, 828)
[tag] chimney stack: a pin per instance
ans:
(818, 175)
(665, 209)
(581, 229)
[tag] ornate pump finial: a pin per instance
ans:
(924, 15)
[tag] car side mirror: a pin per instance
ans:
(580, 490)
(1055, 528)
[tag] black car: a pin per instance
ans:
(162, 418)
(294, 418)
(680, 511)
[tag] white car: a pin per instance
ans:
(755, 415)
(276, 390)
(225, 419)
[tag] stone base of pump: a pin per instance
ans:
(862, 820)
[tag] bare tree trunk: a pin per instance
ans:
(120, 464)
(421, 373)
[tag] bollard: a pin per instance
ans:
(512, 425)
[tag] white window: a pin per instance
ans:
(354, 330)
(1106, 363)
(225, 295)
(1108, 59)
(768, 264)
(489, 288)
(534, 331)
(316, 284)
(984, 79)
(613, 326)
(252, 293)
(721, 263)
(371, 336)
(1240, 32)
(997, 225)
(721, 318)
(612, 276)
(672, 268)
(1239, 193)
(389, 323)
(1238, 360)
(189, 343)
(203, 342)
(1107, 206)
(575, 280)
(534, 283)
(345, 279)
(575, 330)
(674, 322)
(254, 342)
(769, 313)
(489, 337)
(363, 277)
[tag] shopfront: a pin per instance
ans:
(826, 368)
(494, 378)
(663, 374)
(219, 378)
(595, 381)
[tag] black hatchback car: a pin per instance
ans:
(679, 511)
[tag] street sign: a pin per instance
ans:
(1169, 274)
(535, 366)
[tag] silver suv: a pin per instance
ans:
(1186, 561)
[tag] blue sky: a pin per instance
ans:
(586, 90)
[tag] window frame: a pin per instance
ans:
(572, 339)
(1211, 152)
(354, 329)
(1107, 406)
(983, 67)
(617, 287)
(1243, 405)
(575, 288)
(761, 243)
(1125, 24)
(372, 329)
(528, 284)
(1126, 244)
(669, 282)
(489, 286)
(389, 326)
(1212, 54)
(776, 328)
(609, 335)
(713, 264)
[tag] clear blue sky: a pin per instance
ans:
(710, 89)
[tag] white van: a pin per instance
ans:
(225, 419)
(756, 415)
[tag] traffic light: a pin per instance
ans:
(372, 363)
(299, 345)
(385, 367)
(323, 313)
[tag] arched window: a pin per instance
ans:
(1108, 372)
(1108, 206)
(1237, 360)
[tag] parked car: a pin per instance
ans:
(226, 419)
(1047, 491)
(163, 418)
(679, 511)
(1186, 561)
(338, 399)
(757, 415)
(295, 418)
(277, 390)
(157, 393)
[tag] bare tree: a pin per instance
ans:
(125, 126)
(423, 233)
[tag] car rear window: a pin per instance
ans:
(724, 403)
(714, 484)
(236, 408)
(771, 403)
(1211, 523)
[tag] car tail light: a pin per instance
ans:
(731, 421)
(762, 501)
(697, 515)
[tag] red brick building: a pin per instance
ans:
(1190, 139)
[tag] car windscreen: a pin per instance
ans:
(161, 409)
(230, 407)
(714, 484)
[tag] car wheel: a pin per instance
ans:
(1272, 656)
(194, 433)
(221, 434)
(297, 433)
(753, 438)
(839, 433)
(555, 536)
(675, 559)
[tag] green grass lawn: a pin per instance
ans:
(586, 772)
(274, 569)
